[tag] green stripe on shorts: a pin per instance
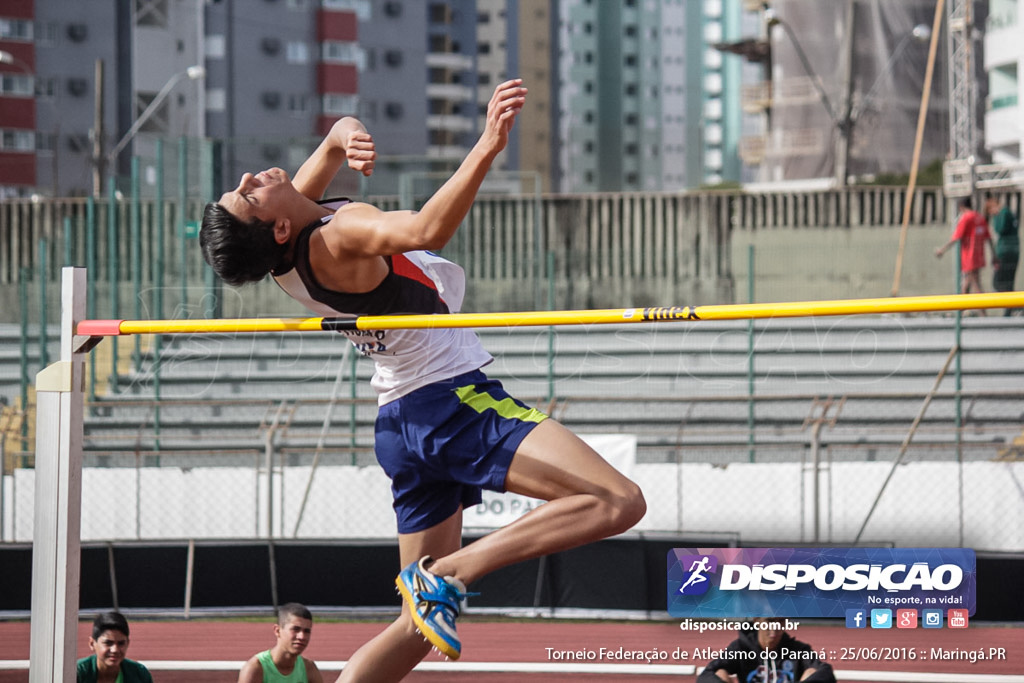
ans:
(506, 407)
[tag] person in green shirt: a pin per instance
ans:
(1007, 250)
(284, 662)
(108, 662)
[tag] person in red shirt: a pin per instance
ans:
(972, 233)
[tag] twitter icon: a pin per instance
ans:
(881, 618)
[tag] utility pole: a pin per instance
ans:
(844, 117)
(98, 157)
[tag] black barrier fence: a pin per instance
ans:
(618, 575)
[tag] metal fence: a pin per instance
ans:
(889, 430)
(736, 431)
(577, 251)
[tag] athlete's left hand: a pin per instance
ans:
(360, 152)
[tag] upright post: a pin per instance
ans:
(58, 497)
(114, 274)
(136, 251)
(44, 272)
(182, 223)
(91, 267)
(158, 289)
(751, 367)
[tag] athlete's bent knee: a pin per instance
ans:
(628, 508)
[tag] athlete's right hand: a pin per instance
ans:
(506, 103)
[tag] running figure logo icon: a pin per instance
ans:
(698, 567)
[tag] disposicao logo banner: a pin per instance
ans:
(817, 582)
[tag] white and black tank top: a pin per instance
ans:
(418, 282)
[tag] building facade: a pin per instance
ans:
(644, 101)
(1004, 65)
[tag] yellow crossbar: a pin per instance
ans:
(792, 309)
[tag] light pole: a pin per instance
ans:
(192, 73)
(844, 120)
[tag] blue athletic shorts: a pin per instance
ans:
(443, 443)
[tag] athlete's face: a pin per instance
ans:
(293, 635)
(110, 648)
(264, 196)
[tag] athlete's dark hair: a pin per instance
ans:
(109, 621)
(292, 609)
(966, 203)
(238, 252)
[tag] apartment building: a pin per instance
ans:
(1004, 65)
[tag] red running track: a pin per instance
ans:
(535, 641)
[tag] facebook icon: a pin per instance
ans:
(856, 618)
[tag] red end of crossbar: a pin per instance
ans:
(99, 328)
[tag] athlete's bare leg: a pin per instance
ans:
(588, 500)
(393, 653)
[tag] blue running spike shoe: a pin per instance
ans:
(434, 602)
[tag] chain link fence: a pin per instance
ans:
(862, 430)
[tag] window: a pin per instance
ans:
(47, 33)
(46, 142)
(297, 52)
(215, 46)
(17, 140)
(344, 52)
(298, 104)
(16, 84)
(340, 105)
(441, 138)
(151, 13)
(439, 14)
(216, 99)
(77, 33)
(16, 29)
(270, 45)
(439, 43)
(360, 7)
(270, 99)
(46, 88)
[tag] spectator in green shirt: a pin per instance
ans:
(108, 663)
(1005, 226)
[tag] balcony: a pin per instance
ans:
(756, 98)
(449, 91)
(450, 122)
(449, 60)
(1002, 121)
